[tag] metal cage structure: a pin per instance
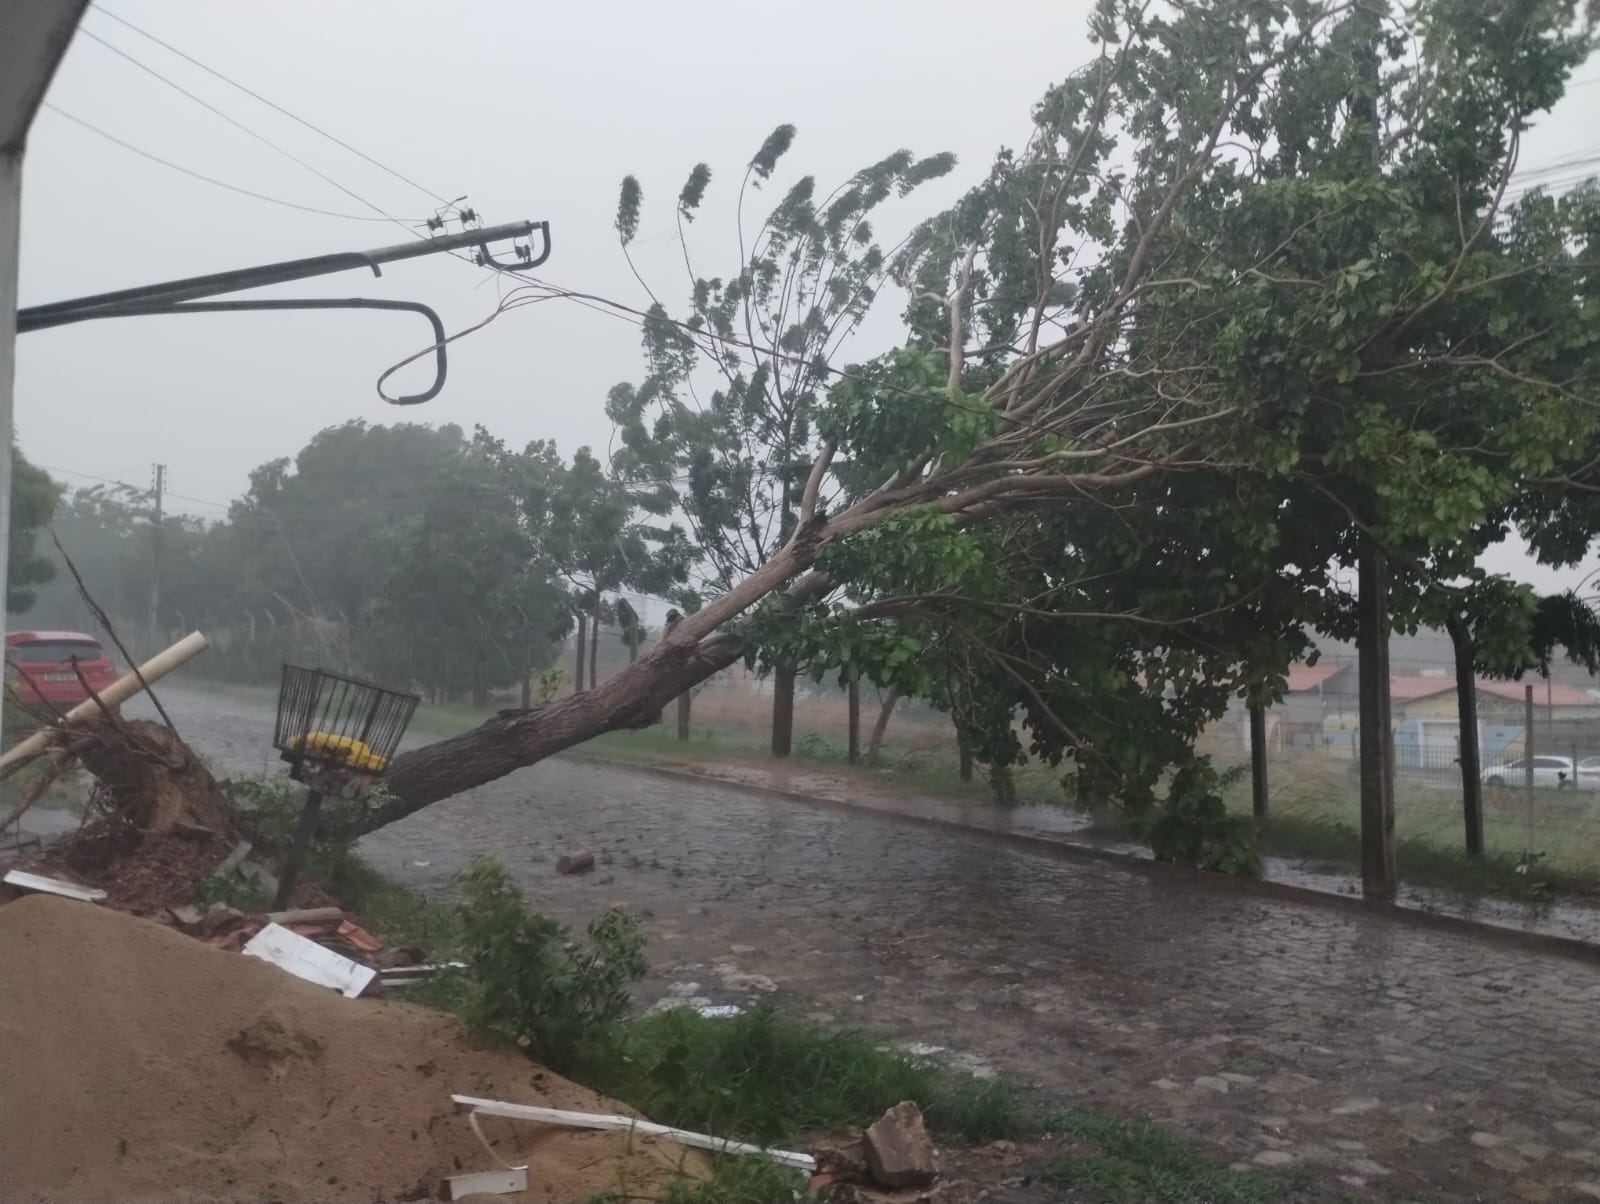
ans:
(333, 725)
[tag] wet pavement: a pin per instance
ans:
(1393, 1061)
(1054, 825)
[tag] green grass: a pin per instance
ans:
(767, 1077)
(1131, 1162)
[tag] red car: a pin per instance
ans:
(43, 673)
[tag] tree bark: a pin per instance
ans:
(511, 740)
(782, 711)
(577, 673)
(1379, 879)
(1258, 760)
(881, 725)
(853, 721)
(1467, 710)
(480, 669)
(963, 756)
(594, 642)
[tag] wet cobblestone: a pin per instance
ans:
(1396, 1060)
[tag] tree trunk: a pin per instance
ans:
(1467, 709)
(1379, 879)
(594, 643)
(881, 725)
(963, 755)
(480, 669)
(577, 673)
(1258, 760)
(511, 740)
(853, 720)
(527, 671)
(782, 711)
(635, 698)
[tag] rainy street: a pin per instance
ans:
(1393, 1057)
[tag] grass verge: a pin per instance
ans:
(1131, 1162)
(767, 1077)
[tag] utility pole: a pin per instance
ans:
(155, 556)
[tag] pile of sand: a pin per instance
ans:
(137, 1064)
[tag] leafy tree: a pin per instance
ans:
(777, 322)
(34, 497)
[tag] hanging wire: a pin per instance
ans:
(188, 171)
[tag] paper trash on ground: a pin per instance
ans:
(308, 960)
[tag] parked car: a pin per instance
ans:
(39, 666)
(1550, 773)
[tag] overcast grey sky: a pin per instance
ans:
(533, 111)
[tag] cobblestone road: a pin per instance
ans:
(1396, 1062)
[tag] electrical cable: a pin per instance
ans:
(271, 104)
(237, 124)
(178, 167)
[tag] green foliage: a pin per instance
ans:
(527, 980)
(1194, 826)
(766, 1077)
(1131, 1162)
(34, 498)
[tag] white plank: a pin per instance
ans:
(23, 880)
(494, 1183)
(308, 960)
(599, 1120)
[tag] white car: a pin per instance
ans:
(1549, 773)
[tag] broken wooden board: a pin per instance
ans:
(493, 1183)
(308, 960)
(23, 880)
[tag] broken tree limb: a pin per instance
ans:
(60, 762)
(600, 1120)
(118, 692)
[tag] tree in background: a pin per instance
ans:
(34, 497)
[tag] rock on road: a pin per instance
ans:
(1389, 1058)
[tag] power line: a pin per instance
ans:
(237, 124)
(178, 167)
(271, 104)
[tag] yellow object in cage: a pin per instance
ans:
(345, 750)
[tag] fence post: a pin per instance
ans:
(853, 701)
(1258, 760)
(683, 716)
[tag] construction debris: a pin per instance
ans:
(899, 1151)
(53, 886)
(631, 1125)
(191, 1074)
(488, 1183)
(577, 862)
(306, 959)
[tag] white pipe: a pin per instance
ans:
(118, 692)
(597, 1120)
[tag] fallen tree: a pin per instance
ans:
(1102, 395)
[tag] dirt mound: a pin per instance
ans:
(137, 1064)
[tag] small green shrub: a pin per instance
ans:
(527, 980)
(1193, 825)
(818, 748)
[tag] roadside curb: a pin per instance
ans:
(1065, 848)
